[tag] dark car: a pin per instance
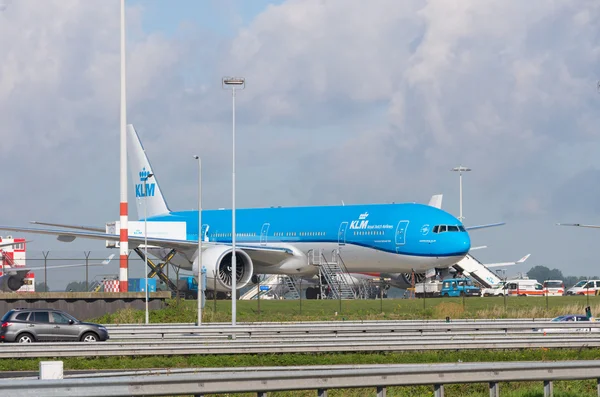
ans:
(41, 325)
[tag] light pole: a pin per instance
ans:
(200, 236)
(146, 238)
(233, 83)
(460, 169)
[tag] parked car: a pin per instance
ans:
(33, 325)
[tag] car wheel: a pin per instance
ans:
(25, 338)
(89, 337)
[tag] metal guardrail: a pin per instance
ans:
(246, 346)
(309, 378)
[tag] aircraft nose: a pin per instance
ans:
(463, 242)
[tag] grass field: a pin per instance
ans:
(387, 309)
(313, 310)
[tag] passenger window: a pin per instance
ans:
(59, 318)
(22, 316)
(538, 287)
(41, 317)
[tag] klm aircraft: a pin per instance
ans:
(391, 238)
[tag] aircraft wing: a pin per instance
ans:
(79, 227)
(484, 226)
(579, 225)
(275, 254)
(523, 259)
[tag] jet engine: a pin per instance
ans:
(217, 261)
(12, 282)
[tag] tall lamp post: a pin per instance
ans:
(233, 83)
(146, 238)
(200, 237)
(460, 169)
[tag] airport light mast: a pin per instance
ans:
(123, 212)
(460, 169)
(200, 237)
(146, 239)
(233, 83)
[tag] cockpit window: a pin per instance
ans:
(448, 228)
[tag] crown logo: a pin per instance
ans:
(363, 216)
(144, 174)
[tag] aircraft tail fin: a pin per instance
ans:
(436, 201)
(147, 193)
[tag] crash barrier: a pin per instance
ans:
(275, 345)
(261, 382)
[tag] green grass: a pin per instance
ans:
(389, 309)
(514, 389)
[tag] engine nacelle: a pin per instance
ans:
(9, 283)
(217, 261)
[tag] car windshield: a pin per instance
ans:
(553, 284)
(581, 283)
(559, 318)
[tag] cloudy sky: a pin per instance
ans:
(345, 100)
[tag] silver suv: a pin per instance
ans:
(31, 325)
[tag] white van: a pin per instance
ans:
(522, 288)
(585, 287)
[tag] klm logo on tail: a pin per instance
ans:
(149, 187)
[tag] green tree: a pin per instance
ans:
(76, 286)
(541, 273)
(41, 287)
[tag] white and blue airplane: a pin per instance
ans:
(390, 238)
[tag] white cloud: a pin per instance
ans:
(344, 100)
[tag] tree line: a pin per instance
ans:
(541, 273)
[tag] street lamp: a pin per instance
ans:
(460, 169)
(150, 175)
(233, 83)
(200, 236)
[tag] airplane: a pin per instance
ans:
(13, 243)
(13, 278)
(280, 240)
(579, 225)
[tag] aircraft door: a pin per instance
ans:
(204, 234)
(264, 233)
(401, 234)
(342, 233)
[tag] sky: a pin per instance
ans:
(365, 102)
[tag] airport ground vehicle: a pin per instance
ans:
(517, 287)
(428, 289)
(493, 291)
(554, 287)
(459, 287)
(33, 325)
(585, 287)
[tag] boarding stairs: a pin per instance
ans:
(333, 275)
(97, 284)
(471, 267)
